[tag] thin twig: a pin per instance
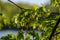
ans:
(16, 5)
(54, 29)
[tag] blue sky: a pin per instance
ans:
(31, 2)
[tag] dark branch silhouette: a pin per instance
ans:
(54, 29)
(16, 5)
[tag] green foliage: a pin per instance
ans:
(42, 19)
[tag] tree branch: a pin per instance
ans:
(54, 29)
